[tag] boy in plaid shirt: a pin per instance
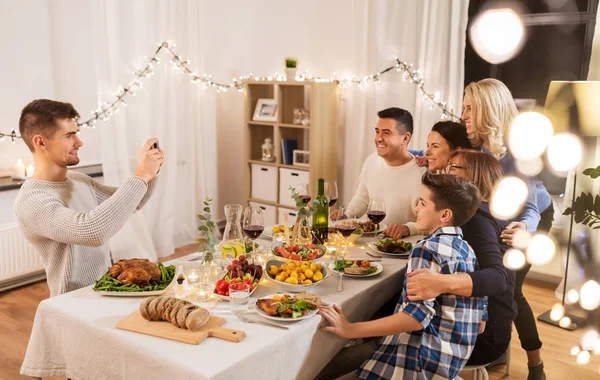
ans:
(429, 339)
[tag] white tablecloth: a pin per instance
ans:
(74, 335)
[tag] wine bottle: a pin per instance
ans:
(321, 217)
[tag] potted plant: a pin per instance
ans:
(586, 208)
(290, 67)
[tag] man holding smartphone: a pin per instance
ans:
(66, 215)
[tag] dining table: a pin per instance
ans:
(75, 334)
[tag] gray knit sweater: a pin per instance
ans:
(70, 223)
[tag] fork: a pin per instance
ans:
(245, 319)
(372, 255)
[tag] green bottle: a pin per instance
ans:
(320, 225)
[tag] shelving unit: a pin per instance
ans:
(268, 186)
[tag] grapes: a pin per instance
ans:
(242, 258)
(229, 267)
(235, 262)
(251, 267)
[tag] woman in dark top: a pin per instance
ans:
(492, 279)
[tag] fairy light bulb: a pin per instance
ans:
(597, 348)
(589, 296)
(564, 322)
(572, 296)
(589, 340)
(508, 197)
(557, 312)
(497, 35)
(583, 357)
(564, 152)
(514, 259)
(529, 135)
(575, 350)
(541, 249)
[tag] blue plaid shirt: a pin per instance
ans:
(450, 323)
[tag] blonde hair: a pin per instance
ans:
(492, 111)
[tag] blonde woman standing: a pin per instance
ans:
(488, 111)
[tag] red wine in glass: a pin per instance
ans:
(253, 231)
(332, 201)
(305, 198)
(376, 216)
(346, 229)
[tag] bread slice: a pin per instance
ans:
(175, 309)
(144, 308)
(168, 307)
(152, 309)
(183, 313)
(197, 318)
(160, 306)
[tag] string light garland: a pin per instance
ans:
(108, 109)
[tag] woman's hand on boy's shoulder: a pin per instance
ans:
(423, 284)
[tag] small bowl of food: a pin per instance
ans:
(296, 276)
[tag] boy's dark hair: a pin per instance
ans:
(404, 120)
(39, 118)
(456, 193)
(454, 133)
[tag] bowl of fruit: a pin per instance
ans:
(239, 271)
(298, 252)
(296, 276)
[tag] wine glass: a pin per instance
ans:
(376, 212)
(253, 223)
(331, 191)
(345, 225)
(304, 193)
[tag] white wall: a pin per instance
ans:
(39, 64)
(256, 37)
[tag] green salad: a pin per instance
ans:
(340, 265)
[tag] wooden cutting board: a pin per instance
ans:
(136, 323)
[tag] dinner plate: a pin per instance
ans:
(400, 255)
(377, 265)
(382, 227)
(132, 294)
(259, 311)
(268, 232)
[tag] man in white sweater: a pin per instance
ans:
(391, 174)
(66, 215)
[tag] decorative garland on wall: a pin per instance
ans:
(108, 109)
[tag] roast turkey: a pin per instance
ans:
(135, 271)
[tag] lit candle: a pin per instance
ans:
(19, 170)
(29, 170)
(192, 277)
(203, 295)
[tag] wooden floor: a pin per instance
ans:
(18, 306)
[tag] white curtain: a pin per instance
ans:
(169, 107)
(431, 34)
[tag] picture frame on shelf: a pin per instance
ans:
(266, 110)
(301, 158)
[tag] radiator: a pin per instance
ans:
(19, 263)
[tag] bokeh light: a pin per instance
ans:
(514, 259)
(589, 296)
(510, 194)
(497, 35)
(541, 249)
(564, 152)
(529, 135)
